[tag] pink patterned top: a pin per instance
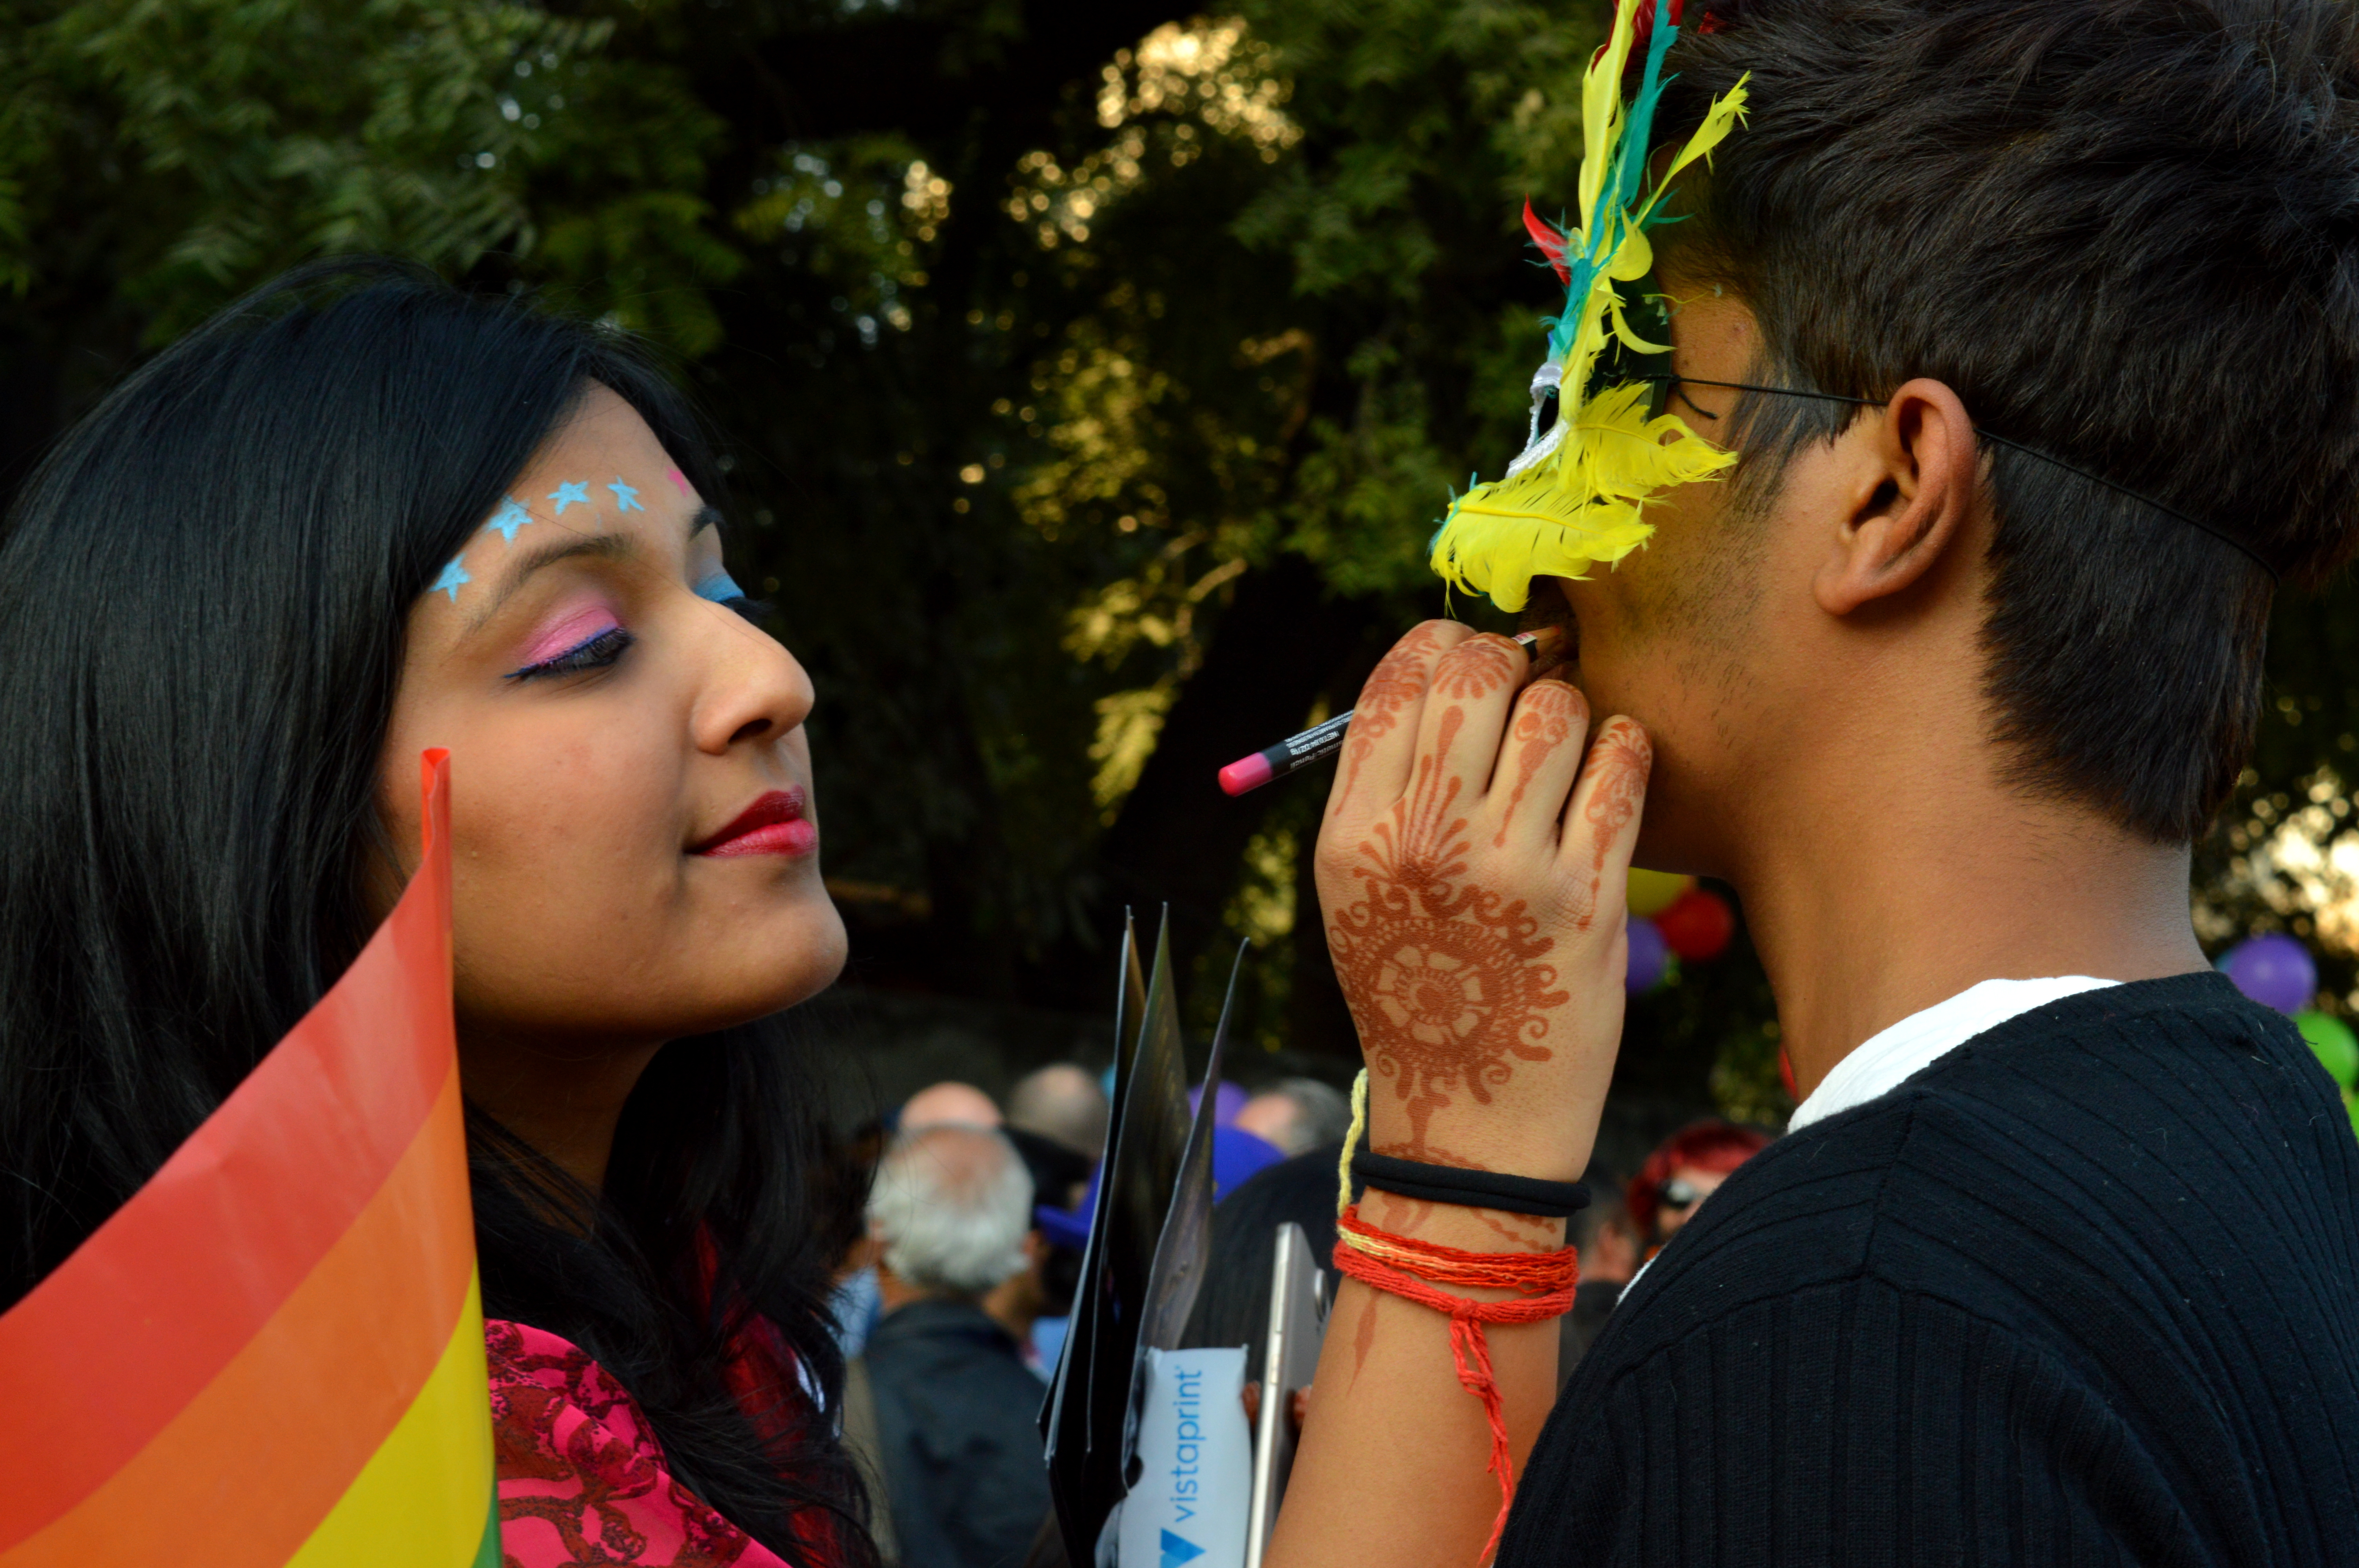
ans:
(583, 1481)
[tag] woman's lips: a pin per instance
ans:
(774, 825)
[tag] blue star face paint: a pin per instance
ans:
(452, 575)
(626, 499)
(567, 704)
(509, 519)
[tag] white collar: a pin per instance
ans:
(1884, 1061)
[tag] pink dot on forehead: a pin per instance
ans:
(570, 626)
(679, 481)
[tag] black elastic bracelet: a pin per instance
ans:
(1473, 1189)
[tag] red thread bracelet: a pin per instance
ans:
(1402, 1266)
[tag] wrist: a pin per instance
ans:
(1502, 1190)
(1556, 1150)
(1455, 1225)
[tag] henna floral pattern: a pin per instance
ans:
(1624, 758)
(1397, 684)
(1478, 667)
(581, 1481)
(1441, 974)
(1540, 728)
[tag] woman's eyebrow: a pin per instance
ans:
(607, 547)
(705, 517)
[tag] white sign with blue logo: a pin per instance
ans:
(1195, 1453)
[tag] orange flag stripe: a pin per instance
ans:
(318, 1389)
(159, 1302)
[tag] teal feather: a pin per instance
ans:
(1621, 190)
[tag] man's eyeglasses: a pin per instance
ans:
(1665, 381)
(1648, 312)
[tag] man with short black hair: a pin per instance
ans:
(2033, 326)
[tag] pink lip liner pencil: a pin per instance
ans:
(1324, 740)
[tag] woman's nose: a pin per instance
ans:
(754, 690)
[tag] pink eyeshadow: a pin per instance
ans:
(572, 628)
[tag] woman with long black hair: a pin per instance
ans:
(358, 514)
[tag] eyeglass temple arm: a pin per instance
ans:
(2174, 514)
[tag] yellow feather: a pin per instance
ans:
(1581, 504)
(1583, 501)
(1601, 109)
(1629, 334)
(1723, 117)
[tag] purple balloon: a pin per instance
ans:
(2273, 970)
(1649, 956)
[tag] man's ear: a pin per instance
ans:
(1914, 490)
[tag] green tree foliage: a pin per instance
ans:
(1092, 375)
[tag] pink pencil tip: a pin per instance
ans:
(1247, 774)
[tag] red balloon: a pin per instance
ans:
(1698, 925)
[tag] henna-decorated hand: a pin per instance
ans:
(1470, 868)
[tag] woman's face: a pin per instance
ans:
(635, 848)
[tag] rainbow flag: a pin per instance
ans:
(272, 1355)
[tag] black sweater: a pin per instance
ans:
(2085, 1290)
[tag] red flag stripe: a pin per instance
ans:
(153, 1307)
(308, 1399)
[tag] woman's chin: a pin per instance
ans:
(797, 964)
(728, 968)
(817, 970)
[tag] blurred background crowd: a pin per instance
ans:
(953, 1302)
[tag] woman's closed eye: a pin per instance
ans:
(595, 652)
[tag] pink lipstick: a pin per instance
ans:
(773, 825)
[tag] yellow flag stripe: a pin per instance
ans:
(246, 1470)
(422, 1498)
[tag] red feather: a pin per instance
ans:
(1550, 242)
(1642, 26)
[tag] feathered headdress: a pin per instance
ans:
(1578, 492)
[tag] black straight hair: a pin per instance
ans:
(2126, 234)
(203, 595)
